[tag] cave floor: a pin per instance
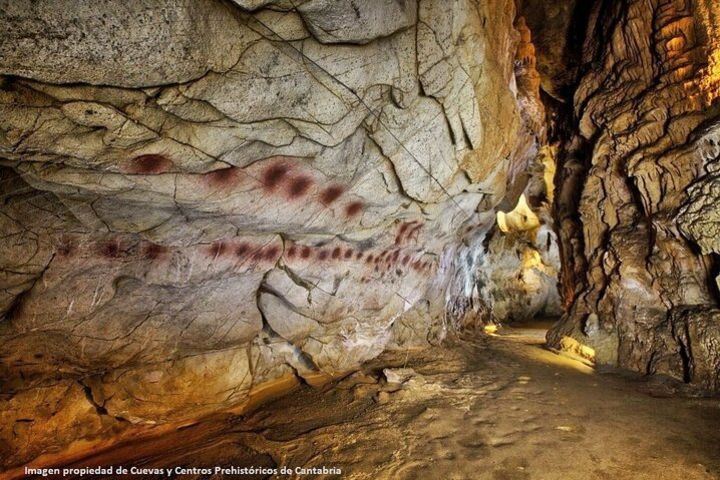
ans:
(498, 407)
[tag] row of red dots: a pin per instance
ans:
(278, 176)
(114, 249)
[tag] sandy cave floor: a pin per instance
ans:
(488, 408)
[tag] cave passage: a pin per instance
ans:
(496, 407)
(360, 239)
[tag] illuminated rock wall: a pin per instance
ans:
(634, 176)
(201, 197)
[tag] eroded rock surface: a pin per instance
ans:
(203, 197)
(636, 191)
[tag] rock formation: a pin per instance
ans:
(205, 198)
(635, 189)
(201, 197)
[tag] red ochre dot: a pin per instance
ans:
(153, 251)
(292, 251)
(111, 249)
(272, 252)
(305, 252)
(221, 178)
(242, 249)
(274, 175)
(336, 253)
(354, 208)
(348, 253)
(217, 249)
(150, 164)
(299, 187)
(322, 254)
(331, 193)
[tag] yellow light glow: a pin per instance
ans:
(531, 258)
(520, 219)
(548, 154)
(709, 11)
(571, 345)
(490, 329)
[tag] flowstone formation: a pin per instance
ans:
(201, 197)
(506, 269)
(637, 192)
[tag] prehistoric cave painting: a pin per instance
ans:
(149, 164)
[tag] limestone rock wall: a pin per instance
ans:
(200, 197)
(635, 187)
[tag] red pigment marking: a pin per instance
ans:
(414, 232)
(299, 187)
(369, 259)
(292, 251)
(331, 193)
(402, 228)
(153, 251)
(150, 164)
(222, 178)
(377, 260)
(396, 255)
(359, 255)
(376, 268)
(272, 252)
(405, 260)
(322, 254)
(305, 252)
(111, 249)
(348, 253)
(274, 175)
(217, 249)
(242, 249)
(354, 208)
(336, 253)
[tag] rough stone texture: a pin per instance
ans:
(558, 28)
(507, 270)
(635, 175)
(137, 43)
(203, 197)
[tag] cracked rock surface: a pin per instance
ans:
(202, 197)
(637, 191)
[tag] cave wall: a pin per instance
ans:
(635, 187)
(203, 196)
